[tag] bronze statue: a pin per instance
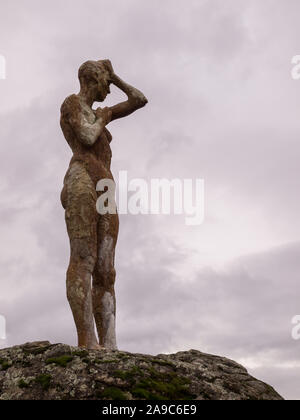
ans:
(92, 236)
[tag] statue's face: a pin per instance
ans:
(103, 82)
(102, 90)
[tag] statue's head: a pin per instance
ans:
(94, 78)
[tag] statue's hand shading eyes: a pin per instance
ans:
(108, 66)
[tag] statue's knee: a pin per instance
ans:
(79, 265)
(110, 277)
(83, 248)
(105, 276)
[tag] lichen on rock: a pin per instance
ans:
(45, 371)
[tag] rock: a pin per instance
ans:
(45, 371)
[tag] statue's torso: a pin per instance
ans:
(95, 158)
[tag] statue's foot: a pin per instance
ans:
(97, 347)
(92, 346)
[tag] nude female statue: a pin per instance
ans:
(92, 236)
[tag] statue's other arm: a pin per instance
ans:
(86, 132)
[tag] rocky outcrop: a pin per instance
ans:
(43, 371)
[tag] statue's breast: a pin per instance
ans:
(89, 116)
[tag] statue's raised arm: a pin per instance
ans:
(136, 99)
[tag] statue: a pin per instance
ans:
(93, 237)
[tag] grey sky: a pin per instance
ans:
(223, 107)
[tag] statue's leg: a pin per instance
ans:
(104, 299)
(81, 220)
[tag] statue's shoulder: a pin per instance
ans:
(70, 106)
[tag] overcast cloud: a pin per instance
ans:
(222, 107)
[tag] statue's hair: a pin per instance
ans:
(88, 70)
